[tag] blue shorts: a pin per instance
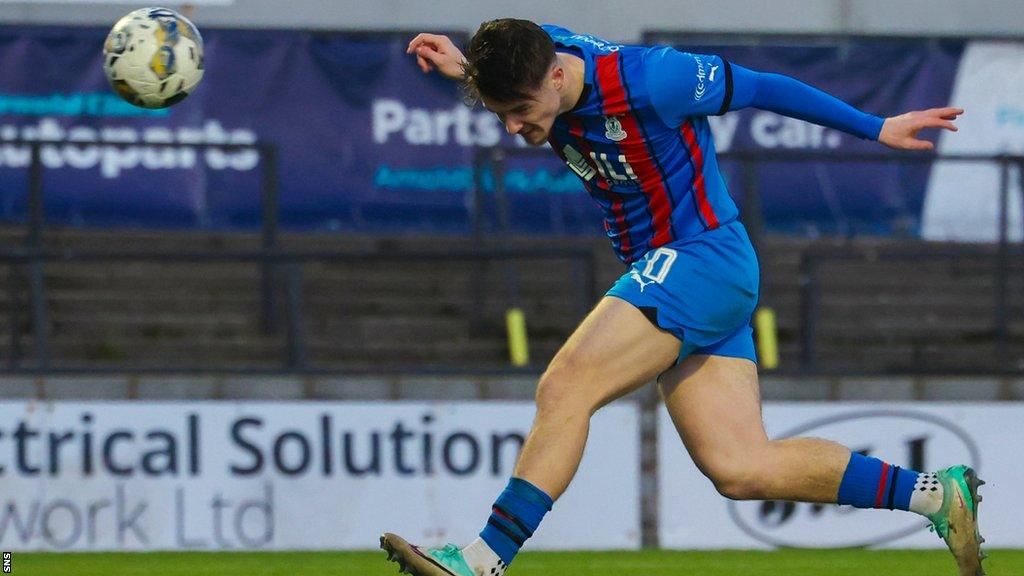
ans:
(702, 289)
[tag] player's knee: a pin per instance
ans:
(559, 390)
(738, 488)
(740, 479)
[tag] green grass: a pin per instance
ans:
(659, 563)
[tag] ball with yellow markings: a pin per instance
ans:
(153, 57)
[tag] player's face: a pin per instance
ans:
(530, 118)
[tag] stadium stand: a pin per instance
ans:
(872, 313)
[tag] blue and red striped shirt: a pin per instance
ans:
(655, 178)
(640, 141)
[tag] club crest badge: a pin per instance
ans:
(613, 129)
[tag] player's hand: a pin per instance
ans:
(434, 51)
(900, 132)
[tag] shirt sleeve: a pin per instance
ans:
(682, 84)
(791, 97)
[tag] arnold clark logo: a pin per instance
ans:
(908, 438)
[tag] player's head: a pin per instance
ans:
(511, 67)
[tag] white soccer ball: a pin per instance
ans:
(153, 57)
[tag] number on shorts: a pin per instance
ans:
(659, 263)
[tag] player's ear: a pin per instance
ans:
(557, 76)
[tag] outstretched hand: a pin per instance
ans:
(900, 132)
(434, 51)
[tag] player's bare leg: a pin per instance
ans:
(715, 404)
(614, 351)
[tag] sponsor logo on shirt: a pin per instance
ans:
(613, 169)
(596, 42)
(578, 164)
(702, 75)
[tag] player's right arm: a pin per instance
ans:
(435, 51)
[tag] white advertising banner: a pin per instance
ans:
(963, 198)
(921, 436)
(223, 476)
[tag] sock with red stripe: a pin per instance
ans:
(872, 483)
(516, 514)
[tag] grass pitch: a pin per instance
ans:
(652, 563)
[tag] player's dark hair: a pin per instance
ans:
(507, 59)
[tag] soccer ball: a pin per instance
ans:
(153, 57)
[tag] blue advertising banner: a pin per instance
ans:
(367, 143)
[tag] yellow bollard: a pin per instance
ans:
(518, 346)
(767, 338)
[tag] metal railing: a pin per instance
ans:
(288, 265)
(268, 160)
(817, 258)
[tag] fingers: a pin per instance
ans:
(903, 129)
(425, 50)
(422, 39)
(415, 43)
(937, 118)
(424, 64)
(938, 122)
(946, 113)
(915, 144)
(432, 58)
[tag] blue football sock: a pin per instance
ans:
(871, 483)
(516, 514)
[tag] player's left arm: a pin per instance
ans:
(793, 98)
(683, 84)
